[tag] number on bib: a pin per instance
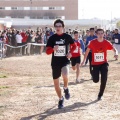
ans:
(61, 51)
(98, 57)
(76, 50)
(116, 41)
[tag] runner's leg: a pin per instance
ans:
(90, 60)
(104, 74)
(65, 74)
(57, 88)
(41, 49)
(95, 73)
(56, 72)
(77, 71)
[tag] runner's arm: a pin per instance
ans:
(85, 56)
(49, 46)
(115, 53)
(87, 41)
(82, 46)
(49, 50)
(111, 47)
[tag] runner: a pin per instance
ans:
(90, 38)
(76, 56)
(57, 45)
(116, 38)
(99, 49)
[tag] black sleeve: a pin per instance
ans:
(71, 41)
(50, 42)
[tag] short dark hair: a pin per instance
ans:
(92, 29)
(116, 29)
(99, 30)
(18, 32)
(59, 21)
(75, 32)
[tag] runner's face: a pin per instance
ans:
(59, 28)
(100, 34)
(87, 32)
(76, 36)
(116, 31)
(92, 32)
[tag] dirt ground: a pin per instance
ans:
(27, 92)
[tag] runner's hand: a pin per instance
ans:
(116, 56)
(82, 64)
(55, 47)
(69, 55)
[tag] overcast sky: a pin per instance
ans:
(102, 9)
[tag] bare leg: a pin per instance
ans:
(57, 88)
(65, 73)
(41, 49)
(77, 71)
(74, 67)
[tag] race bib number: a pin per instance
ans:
(61, 51)
(98, 57)
(76, 50)
(116, 41)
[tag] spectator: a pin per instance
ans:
(19, 41)
(24, 40)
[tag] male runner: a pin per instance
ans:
(99, 63)
(91, 37)
(116, 38)
(76, 55)
(58, 45)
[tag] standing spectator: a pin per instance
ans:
(19, 41)
(29, 35)
(9, 38)
(39, 40)
(31, 48)
(51, 32)
(13, 41)
(24, 40)
(3, 39)
(46, 36)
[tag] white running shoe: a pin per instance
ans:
(77, 81)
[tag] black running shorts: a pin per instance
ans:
(57, 70)
(100, 69)
(75, 60)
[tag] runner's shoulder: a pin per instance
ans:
(67, 35)
(93, 41)
(107, 41)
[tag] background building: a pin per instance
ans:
(39, 9)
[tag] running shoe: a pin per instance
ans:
(67, 94)
(77, 81)
(99, 97)
(61, 103)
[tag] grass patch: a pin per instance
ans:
(3, 76)
(4, 87)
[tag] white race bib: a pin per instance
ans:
(61, 51)
(116, 41)
(76, 50)
(98, 57)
